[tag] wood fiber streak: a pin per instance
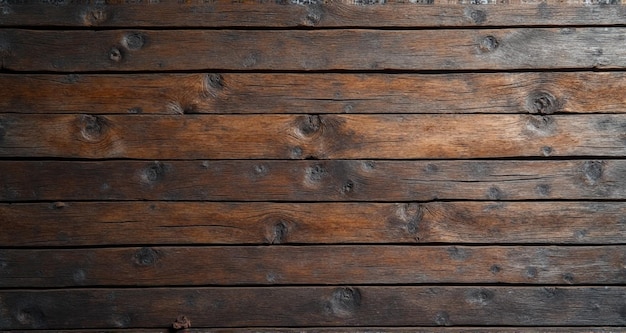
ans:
(215, 93)
(311, 136)
(306, 306)
(285, 265)
(170, 13)
(123, 223)
(312, 180)
(160, 50)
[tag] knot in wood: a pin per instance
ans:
(593, 171)
(541, 102)
(488, 44)
(95, 17)
(213, 83)
(146, 257)
(477, 16)
(154, 172)
(313, 15)
(181, 322)
(115, 54)
(134, 41)
(93, 128)
(309, 125)
(344, 302)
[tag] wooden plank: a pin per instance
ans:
(388, 13)
(229, 93)
(124, 223)
(337, 180)
(301, 265)
(311, 136)
(413, 329)
(313, 306)
(352, 49)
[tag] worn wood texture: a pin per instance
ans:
(312, 180)
(412, 329)
(125, 223)
(352, 49)
(232, 93)
(311, 136)
(307, 306)
(299, 13)
(288, 265)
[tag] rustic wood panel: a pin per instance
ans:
(123, 223)
(312, 180)
(289, 265)
(306, 306)
(413, 329)
(228, 93)
(311, 136)
(458, 49)
(424, 13)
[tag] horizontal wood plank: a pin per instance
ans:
(311, 136)
(312, 180)
(314, 306)
(422, 13)
(412, 329)
(163, 50)
(229, 93)
(288, 265)
(124, 223)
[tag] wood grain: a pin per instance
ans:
(307, 306)
(352, 49)
(311, 136)
(336, 180)
(288, 265)
(232, 93)
(412, 329)
(124, 223)
(171, 13)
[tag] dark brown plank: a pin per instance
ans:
(312, 180)
(123, 223)
(547, 92)
(388, 13)
(160, 50)
(288, 265)
(311, 136)
(314, 306)
(412, 329)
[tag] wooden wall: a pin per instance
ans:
(372, 166)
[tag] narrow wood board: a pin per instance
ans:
(124, 223)
(299, 13)
(231, 93)
(352, 49)
(307, 306)
(336, 180)
(311, 136)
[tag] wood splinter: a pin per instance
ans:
(182, 322)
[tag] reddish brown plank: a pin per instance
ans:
(230, 93)
(311, 136)
(312, 180)
(313, 306)
(352, 49)
(123, 223)
(301, 265)
(170, 13)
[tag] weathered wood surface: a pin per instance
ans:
(307, 306)
(231, 93)
(312, 180)
(352, 49)
(412, 329)
(311, 136)
(289, 265)
(424, 13)
(125, 223)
